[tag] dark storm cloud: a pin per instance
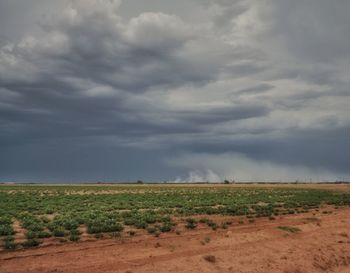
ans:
(223, 114)
(103, 81)
(314, 30)
(256, 89)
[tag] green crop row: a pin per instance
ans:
(62, 211)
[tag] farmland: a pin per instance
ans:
(65, 213)
(177, 228)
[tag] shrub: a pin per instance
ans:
(166, 227)
(75, 232)
(31, 223)
(5, 220)
(31, 243)
(74, 237)
(191, 223)
(140, 224)
(129, 221)
(150, 219)
(212, 224)
(59, 232)
(6, 230)
(49, 211)
(31, 235)
(9, 243)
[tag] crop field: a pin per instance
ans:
(31, 215)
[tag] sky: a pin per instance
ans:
(162, 90)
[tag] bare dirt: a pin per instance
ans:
(322, 245)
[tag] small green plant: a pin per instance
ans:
(31, 235)
(140, 224)
(6, 230)
(9, 242)
(191, 223)
(49, 211)
(59, 232)
(75, 232)
(212, 224)
(74, 237)
(31, 243)
(9, 245)
(44, 234)
(166, 227)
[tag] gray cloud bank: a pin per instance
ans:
(110, 90)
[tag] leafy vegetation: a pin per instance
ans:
(61, 211)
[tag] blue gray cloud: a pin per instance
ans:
(94, 89)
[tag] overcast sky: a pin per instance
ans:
(187, 90)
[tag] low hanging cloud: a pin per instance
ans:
(267, 83)
(239, 168)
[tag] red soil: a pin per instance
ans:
(322, 245)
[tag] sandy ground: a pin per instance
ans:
(322, 245)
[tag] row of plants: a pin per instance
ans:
(43, 201)
(62, 211)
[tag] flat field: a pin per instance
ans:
(175, 228)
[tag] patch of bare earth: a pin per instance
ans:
(20, 232)
(322, 245)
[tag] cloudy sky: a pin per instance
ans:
(103, 90)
